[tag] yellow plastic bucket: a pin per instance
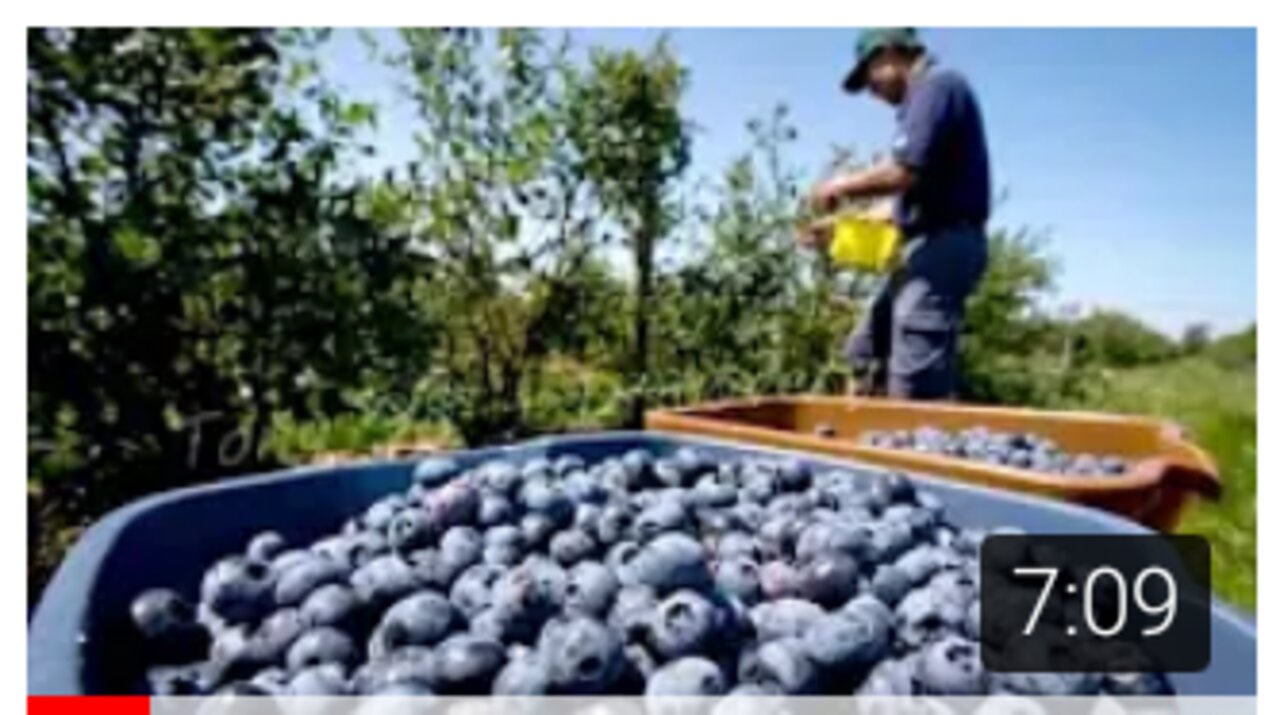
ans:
(865, 244)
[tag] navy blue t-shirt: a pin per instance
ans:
(940, 137)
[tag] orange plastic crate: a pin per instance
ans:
(1166, 470)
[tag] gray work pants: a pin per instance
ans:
(909, 337)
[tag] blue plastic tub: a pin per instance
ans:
(77, 638)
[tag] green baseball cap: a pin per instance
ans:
(871, 41)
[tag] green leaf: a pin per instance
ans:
(141, 250)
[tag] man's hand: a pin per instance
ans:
(885, 178)
(823, 197)
(815, 234)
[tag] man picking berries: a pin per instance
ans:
(907, 343)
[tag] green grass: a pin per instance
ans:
(1218, 407)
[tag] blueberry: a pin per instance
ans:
(958, 586)
(778, 579)
(639, 467)
(381, 512)
(466, 665)
(339, 549)
(324, 679)
(1113, 465)
(922, 616)
(265, 546)
(830, 579)
(550, 577)
(504, 535)
(890, 584)
(586, 516)
(669, 562)
(892, 488)
(410, 530)
(273, 680)
(363, 547)
(523, 676)
(522, 601)
(234, 655)
(296, 582)
(783, 618)
(383, 580)
(885, 540)
(921, 521)
(620, 556)
(1046, 684)
(454, 504)
(794, 476)
(536, 529)
(631, 610)
(782, 664)
(847, 642)
(670, 473)
(951, 666)
(973, 620)
(687, 677)
(641, 662)
(472, 592)
(238, 589)
(435, 471)
(667, 515)
(737, 544)
(494, 509)
(501, 555)
(739, 577)
(230, 694)
(1132, 676)
(758, 486)
(890, 678)
(272, 639)
(590, 589)
(496, 477)
(411, 664)
(506, 624)
(711, 523)
(422, 619)
(582, 488)
(1138, 684)
(407, 689)
(334, 605)
(869, 608)
(175, 680)
(460, 547)
(922, 562)
(321, 645)
(548, 500)
(583, 656)
(749, 516)
(968, 542)
(778, 536)
(571, 546)
(566, 464)
(835, 644)
(168, 627)
(743, 695)
(537, 468)
(683, 624)
(613, 523)
(288, 559)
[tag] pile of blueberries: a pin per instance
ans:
(1021, 450)
(671, 575)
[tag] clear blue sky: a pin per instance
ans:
(1134, 149)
